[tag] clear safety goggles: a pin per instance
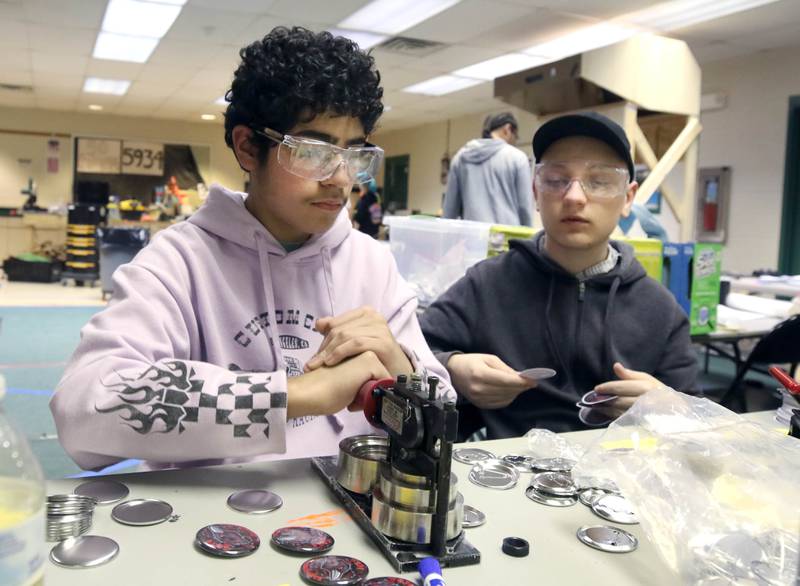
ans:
(598, 180)
(318, 160)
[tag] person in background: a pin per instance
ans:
(369, 212)
(490, 179)
(568, 299)
(246, 331)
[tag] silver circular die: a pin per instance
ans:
(553, 464)
(254, 501)
(86, 551)
(141, 512)
(609, 539)
(589, 496)
(615, 508)
(472, 517)
(521, 463)
(494, 474)
(554, 483)
(549, 500)
(472, 455)
(105, 492)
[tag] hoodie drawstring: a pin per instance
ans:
(549, 332)
(327, 270)
(608, 350)
(269, 295)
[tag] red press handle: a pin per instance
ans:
(787, 381)
(365, 400)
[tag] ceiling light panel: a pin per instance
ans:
(96, 85)
(139, 19)
(394, 16)
(123, 47)
(444, 84)
(678, 14)
(499, 66)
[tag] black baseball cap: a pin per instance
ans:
(589, 124)
(495, 121)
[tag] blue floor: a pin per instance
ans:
(35, 344)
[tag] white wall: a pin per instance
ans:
(749, 135)
(17, 149)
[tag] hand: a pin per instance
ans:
(328, 390)
(354, 332)
(487, 381)
(630, 386)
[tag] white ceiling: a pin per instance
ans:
(47, 44)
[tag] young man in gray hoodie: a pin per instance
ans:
(489, 179)
(569, 299)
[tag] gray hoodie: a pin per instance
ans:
(490, 181)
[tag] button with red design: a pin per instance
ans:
(302, 540)
(228, 541)
(334, 570)
(388, 581)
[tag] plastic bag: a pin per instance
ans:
(715, 493)
(543, 443)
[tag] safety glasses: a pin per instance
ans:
(598, 180)
(318, 160)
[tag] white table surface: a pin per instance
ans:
(756, 285)
(164, 554)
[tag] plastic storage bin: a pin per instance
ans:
(433, 253)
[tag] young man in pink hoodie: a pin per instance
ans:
(246, 331)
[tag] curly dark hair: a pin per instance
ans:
(296, 73)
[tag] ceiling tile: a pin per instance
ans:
(64, 41)
(12, 11)
(395, 78)
(716, 51)
(16, 77)
(527, 31)
(264, 24)
(66, 13)
(201, 24)
(148, 92)
(109, 69)
(783, 37)
(171, 76)
(226, 60)
(321, 11)
(244, 6)
(62, 103)
(13, 33)
(465, 20)
(57, 63)
(759, 20)
(186, 54)
(15, 60)
(589, 8)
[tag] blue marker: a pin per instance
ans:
(431, 572)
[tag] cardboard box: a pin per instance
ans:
(692, 273)
(649, 253)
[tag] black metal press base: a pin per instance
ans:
(402, 555)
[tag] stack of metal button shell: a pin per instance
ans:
(68, 515)
(359, 459)
(555, 489)
(403, 507)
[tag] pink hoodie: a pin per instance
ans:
(188, 364)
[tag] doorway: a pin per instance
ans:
(395, 184)
(789, 256)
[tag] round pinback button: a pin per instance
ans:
(472, 517)
(549, 500)
(388, 581)
(537, 373)
(302, 540)
(228, 541)
(254, 501)
(615, 508)
(590, 495)
(141, 512)
(472, 455)
(86, 551)
(334, 570)
(593, 417)
(610, 539)
(553, 464)
(521, 463)
(105, 492)
(554, 483)
(494, 474)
